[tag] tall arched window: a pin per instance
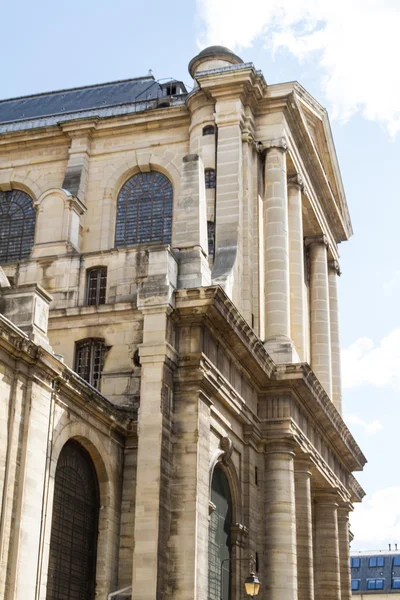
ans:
(89, 360)
(17, 226)
(74, 527)
(219, 540)
(144, 210)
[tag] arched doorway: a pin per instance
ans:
(74, 529)
(219, 538)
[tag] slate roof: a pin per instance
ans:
(93, 100)
(389, 572)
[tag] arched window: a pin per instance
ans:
(17, 226)
(96, 283)
(74, 527)
(144, 210)
(89, 360)
(219, 540)
(209, 130)
(209, 175)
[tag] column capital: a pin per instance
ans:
(344, 509)
(296, 181)
(334, 265)
(302, 465)
(316, 239)
(280, 447)
(279, 143)
(327, 498)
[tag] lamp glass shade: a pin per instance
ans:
(252, 585)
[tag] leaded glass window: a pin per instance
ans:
(219, 540)
(211, 237)
(17, 226)
(96, 283)
(209, 175)
(89, 360)
(74, 527)
(144, 210)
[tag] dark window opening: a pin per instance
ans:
(17, 226)
(209, 130)
(257, 563)
(74, 527)
(96, 283)
(211, 237)
(171, 90)
(219, 542)
(256, 475)
(89, 360)
(144, 210)
(209, 175)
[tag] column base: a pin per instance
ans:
(281, 349)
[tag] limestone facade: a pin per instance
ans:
(220, 347)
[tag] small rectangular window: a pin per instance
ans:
(355, 584)
(396, 561)
(96, 284)
(375, 584)
(210, 180)
(372, 561)
(380, 561)
(89, 360)
(355, 563)
(379, 584)
(396, 583)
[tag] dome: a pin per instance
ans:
(213, 53)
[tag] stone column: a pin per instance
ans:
(321, 357)
(326, 551)
(333, 273)
(296, 266)
(304, 533)
(344, 550)
(280, 522)
(276, 254)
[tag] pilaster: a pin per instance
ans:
(321, 354)
(333, 274)
(326, 551)
(276, 255)
(280, 522)
(304, 534)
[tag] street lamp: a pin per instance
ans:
(252, 583)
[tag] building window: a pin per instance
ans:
(144, 210)
(89, 360)
(396, 583)
(375, 584)
(209, 130)
(219, 540)
(96, 283)
(74, 526)
(396, 561)
(355, 563)
(209, 175)
(211, 237)
(377, 561)
(17, 226)
(355, 584)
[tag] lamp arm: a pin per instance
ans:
(251, 560)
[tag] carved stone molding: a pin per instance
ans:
(296, 181)
(279, 143)
(334, 265)
(226, 446)
(316, 239)
(239, 534)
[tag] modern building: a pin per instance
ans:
(171, 410)
(376, 574)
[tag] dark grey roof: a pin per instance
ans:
(213, 52)
(389, 572)
(79, 99)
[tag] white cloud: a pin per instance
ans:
(355, 43)
(363, 363)
(376, 522)
(370, 427)
(392, 286)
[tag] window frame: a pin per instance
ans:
(397, 580)
(354, 559)
(355, 581)
(372, 584)
(376, 561)
(17, 226)
(100, 298)
(208, 130)
(396, 561)
(210, 179)
(93, 379)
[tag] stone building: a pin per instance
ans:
(169, 350)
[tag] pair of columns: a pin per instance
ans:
(285, 298)
(307, 538)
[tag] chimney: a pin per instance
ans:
(395, 547)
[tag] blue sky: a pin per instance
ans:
(343, 53)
